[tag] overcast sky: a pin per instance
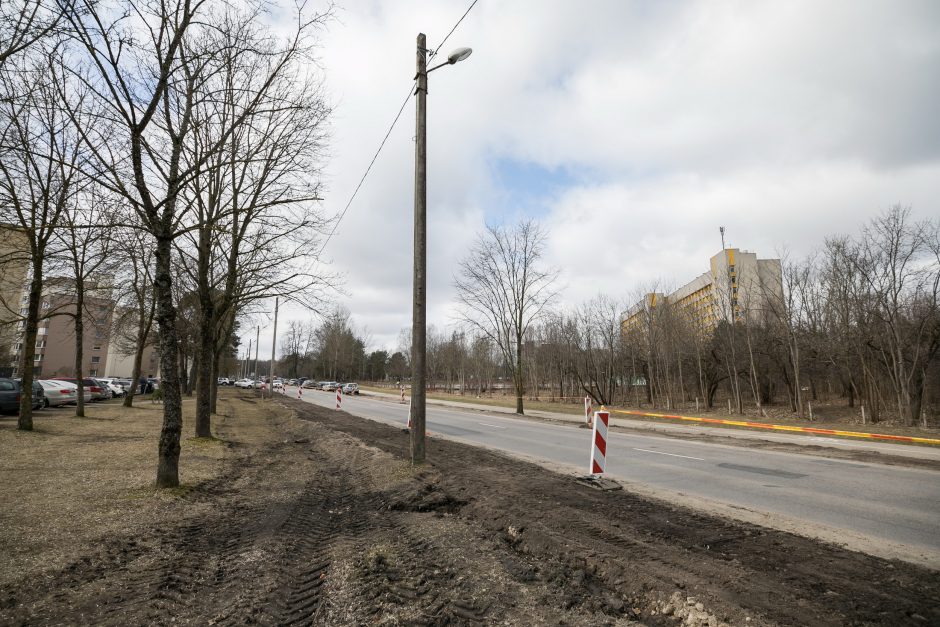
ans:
(631, 130)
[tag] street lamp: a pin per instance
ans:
(419, 310)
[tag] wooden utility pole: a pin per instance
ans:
(419, 311)
(248, 360)
(273, 344)
(257, 346)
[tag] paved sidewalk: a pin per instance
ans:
(887, 448)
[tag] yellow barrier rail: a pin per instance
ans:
(764, 425)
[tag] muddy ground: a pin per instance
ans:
(316, 517)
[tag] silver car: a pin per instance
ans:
(59, 393)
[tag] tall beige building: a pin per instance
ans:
(55, 344)
(14, 268)
(738, 286)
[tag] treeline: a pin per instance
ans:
(166, 155)
(857, 324)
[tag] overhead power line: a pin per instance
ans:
(411, 90)
(369, 168)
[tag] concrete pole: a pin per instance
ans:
(419, 310)
(273, 344)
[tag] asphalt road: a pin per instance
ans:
(891, 504)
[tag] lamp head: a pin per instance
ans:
(459, 55)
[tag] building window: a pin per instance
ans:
(93, 373)
(45, 305)
(41, 344)
(96, 347)
(38, 357)
(37, 371)
(42, 331)
(18, 346)
(96, 359)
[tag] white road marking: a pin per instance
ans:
(486, 424)
(669, 454)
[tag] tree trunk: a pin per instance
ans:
(519, 381)
(79, 345)
(25, 420)
(205, 352)
(144, 322)
(169, 448)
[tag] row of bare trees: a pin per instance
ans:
(175, 147)
(855, 324)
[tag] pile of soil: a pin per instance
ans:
(327, 523)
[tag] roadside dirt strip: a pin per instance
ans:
(327, 523)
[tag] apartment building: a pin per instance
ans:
(738, 286)
(55, 343)
(14, 268)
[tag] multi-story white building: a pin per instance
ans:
(738, 286)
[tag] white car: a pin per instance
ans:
(61, 393)
(245, 383)
(115, 386)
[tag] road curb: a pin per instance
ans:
(773, 427)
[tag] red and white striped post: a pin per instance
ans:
(300, 391)
(402, 400)
(339, 398)
(599, 442)
(587, 410)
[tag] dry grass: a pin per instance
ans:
(73, 481)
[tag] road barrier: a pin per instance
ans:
(587, 410)
(599, 442)
(402, 400)
(300, 391)
(339, 398)
(763, 425)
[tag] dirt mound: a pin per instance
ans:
(329, 524)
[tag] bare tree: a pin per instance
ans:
(25, 22)
(503, 289)
(38, 181)
(132, 329)
(86, 246)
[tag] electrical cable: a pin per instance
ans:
(389, 132)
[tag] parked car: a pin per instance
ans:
(277, 385)
(116, 388)
(244, 383)
(58, 393)
(310, 384)
(97, 390)
(105, 389)
(10, 390)
(224, 381)
(351, 388)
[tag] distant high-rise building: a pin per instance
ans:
(738, 286)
